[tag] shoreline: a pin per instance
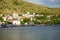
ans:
(32, 25)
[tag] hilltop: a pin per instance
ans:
(9, 6)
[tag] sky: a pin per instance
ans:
(49, 3)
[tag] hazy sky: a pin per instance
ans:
(50, 3)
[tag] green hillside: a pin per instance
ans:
(9, 6)
(19, 6)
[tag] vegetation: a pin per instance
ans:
(25, 20)
(20, 6)
(1, 19)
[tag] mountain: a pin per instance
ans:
(20, 6)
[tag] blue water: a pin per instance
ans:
(30, 33)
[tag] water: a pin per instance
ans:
(30, 33)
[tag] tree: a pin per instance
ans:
(1, 19)
(25, 20)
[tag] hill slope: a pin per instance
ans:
(9, 6)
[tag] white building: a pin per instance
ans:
(15, 15)
(16, 22)
(49, 16)
(49, 20)
(33, 13)
(10, 18)
(40, 15)
(28, 13)
(26, 24)
(5, 18)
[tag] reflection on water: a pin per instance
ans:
(30, 33)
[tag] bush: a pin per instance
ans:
(25, 20)
(1, 19)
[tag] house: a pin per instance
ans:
(25, 15)
(49, 16)
(16, 22)
(37, 15)
(20, 18)
(26, 24)
(15, 15)
(40, 15)
(5, 18)
(10, 18)
(34, 13)
(48, 20)
(28, 13)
